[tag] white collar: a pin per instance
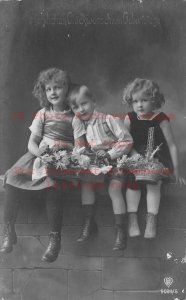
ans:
(153, 116)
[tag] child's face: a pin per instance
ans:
(83, 107)
(56, 93)
(142, 103)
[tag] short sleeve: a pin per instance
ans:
(131, 115)
(38, 122)
(78, 127)
(161, 117)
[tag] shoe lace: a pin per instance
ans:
(7, 229)
(85, 229)
(54, 239)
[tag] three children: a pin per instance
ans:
(109, 138)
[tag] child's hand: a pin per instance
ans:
(41, 152)
(43, 149)
(179, 180)
(46, 159)
(101, 153)
(104, 155)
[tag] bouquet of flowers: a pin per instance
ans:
(58, 160)
(87, 159)
(146, 168)
(80, 159)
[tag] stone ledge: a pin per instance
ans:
(170, 189)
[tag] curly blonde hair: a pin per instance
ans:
(44, 77)
(148, 86)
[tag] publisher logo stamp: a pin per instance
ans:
(168, 281)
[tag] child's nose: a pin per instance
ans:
(53, 91)
(81, 109)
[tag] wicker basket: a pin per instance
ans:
(148, 176)
(152, 178)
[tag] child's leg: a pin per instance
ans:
(87, 193)
(11, 206)
(88, 205)
(133, 199)
(153, 197)
(118, 204)
(54, 208)
(116, 195)
(153, 203)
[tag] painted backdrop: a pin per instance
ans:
(101, 44)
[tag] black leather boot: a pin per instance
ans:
(53, 248)
(9, 238)
(121, 238)
(89, 228)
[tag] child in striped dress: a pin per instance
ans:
(51, 127)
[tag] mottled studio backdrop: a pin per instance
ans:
(102, 44)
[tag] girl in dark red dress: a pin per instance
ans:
(146, 121)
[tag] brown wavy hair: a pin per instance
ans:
(77, 89)
(44, 77)
(149, 87)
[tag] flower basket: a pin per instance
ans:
(78, 164)
(143, 175)
(145, 169)
(59, 165)
(93, 169)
